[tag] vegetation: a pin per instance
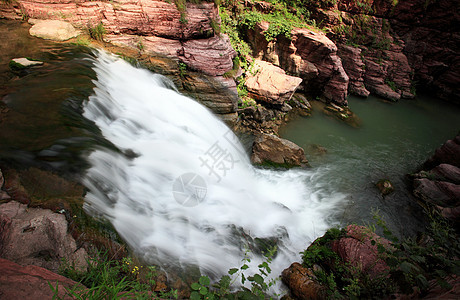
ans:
(411, 264)
(97, 32)
(112, 279)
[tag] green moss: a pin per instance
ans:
(16, 66)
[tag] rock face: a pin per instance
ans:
(302, 283)
(37, 236)
(272, 150)
(270, 84)
(54, 30)
(309, 55)
(156, 28)
(355, 69)
(439, 181)
(3, 194)
(31, 282)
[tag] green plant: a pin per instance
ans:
(97, 32)
(182, 69)
(140, 43)
(391, 84)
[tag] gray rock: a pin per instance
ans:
(22, 63)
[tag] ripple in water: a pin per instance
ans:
(166, 137)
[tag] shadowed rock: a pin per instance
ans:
(272, 150)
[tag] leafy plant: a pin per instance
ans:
(97, 32)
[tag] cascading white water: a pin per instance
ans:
(207, 218)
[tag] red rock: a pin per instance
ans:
(354, 67)
(37, 236)
(309, 55)
(440, 193)
(356, 249)
(213, 56)
(374, 80)
(270, 84)
(302, 283)
(147, 17)
(31, 282)
(270, 149)
(448, 153)
(447, 173)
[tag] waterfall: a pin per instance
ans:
(181, 191)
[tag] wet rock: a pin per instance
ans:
(271, 84)
(374, 80)
(443, 172)
(440, 193)
(302, 282)
(37, 236)
(317, 150)
(17, 64)
(357, 249)
(385, 186)
(342, 113)
(272, 150)
(54, 30)
(31, 282)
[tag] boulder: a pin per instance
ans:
(302, 282)
(17, 64)
(37, 236)
(272, 150)
(270, 84)
(444, 172)
(440, 193)
(385, 186)
(356, 248)
(31, 282)
(54, 30)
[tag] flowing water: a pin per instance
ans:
(186, 192)
(177, 184)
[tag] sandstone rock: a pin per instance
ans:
(448, 153)
(309, 55)
(272, 150)
(37, 236)
(3, 194)
(54, 30)
(445, 172)
(271, 84)
(151, 45)
(31, 282)
(302, 282)
(354, 67)
(357, 250)
(213, 56)
(451, 213)
(145, 18)
(440, 193)
(374, 80)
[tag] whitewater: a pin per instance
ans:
(181, 190)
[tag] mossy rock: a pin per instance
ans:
(385, 186)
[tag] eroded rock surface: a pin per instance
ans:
(302, 282)
(34, 236)
(55, 30)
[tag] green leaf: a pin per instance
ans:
(195, 286)
(204, 291)
(195, 296)
(204, 280)
(258, 279)
(243, 278)
(232, 271)
(244, 267)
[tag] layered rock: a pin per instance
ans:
(309, 55)
(302, 282)
(158, 29)
(439, 181)
(270, 84)
(38, 237)
(272, 150)
(55, 30)
(32, 282)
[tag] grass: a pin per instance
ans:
(97, 32)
